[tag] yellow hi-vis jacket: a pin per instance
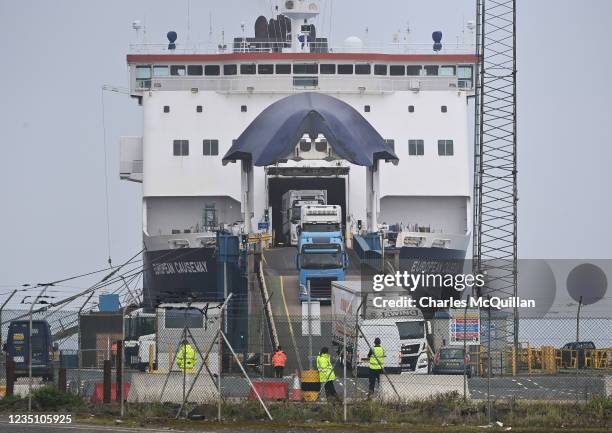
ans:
(186, 357)
(325, 367)
(377, 358)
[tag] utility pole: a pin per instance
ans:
(578, 320)
(40, 294)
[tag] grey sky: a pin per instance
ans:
(57, 54)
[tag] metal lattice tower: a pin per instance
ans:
(495, 166)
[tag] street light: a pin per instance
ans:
(36, 301)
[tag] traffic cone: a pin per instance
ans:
(296, 392)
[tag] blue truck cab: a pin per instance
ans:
(321, 259)
(17, 346)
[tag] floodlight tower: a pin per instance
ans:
(495, 165)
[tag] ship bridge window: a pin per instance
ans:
(305, 68)
(447, 71)
(212, 70)
(143, 77)
(413, 70)
(211, 147)
(143, 72)
(416, 147)
(160, 71)
(345, 69)
(283, 69)
(305, 81)
(177, 70)
(464, 73)
(247, 69)
(431, 69)
(363, 69)
(397, 70)
(265, 69)
(380, 69)
(181, 147)
(230, 69)
(195, 70)
(445, 147)
(327, 68)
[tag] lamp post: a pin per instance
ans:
(37, 300)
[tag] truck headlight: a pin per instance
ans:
(422, 360)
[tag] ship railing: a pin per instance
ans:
(285, 84)
(322, 47)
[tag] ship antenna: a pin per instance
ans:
(210, 28)
(331, 18)
(188, 21)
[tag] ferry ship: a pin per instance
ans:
(219, 149)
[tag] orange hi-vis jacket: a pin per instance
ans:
(279, 359)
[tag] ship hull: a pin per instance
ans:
(179, 275)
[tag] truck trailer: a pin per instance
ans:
(292, 202)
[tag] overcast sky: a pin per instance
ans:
(58, 54)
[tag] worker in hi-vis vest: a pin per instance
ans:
(377, 360)
(186, 357)
(326, 373)
(279, 359)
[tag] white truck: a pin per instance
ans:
(292, 201)
(403, 331)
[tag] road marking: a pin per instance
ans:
(295, 349)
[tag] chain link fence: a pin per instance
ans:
(196, 364)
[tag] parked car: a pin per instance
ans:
(451, 360)
(578, 349)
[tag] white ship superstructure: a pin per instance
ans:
(195, 104)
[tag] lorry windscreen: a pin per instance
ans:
(307, 227)
(410, 330)
(295, 214)
(321, 258)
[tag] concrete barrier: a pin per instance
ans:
(420, 386)
(147, 388)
